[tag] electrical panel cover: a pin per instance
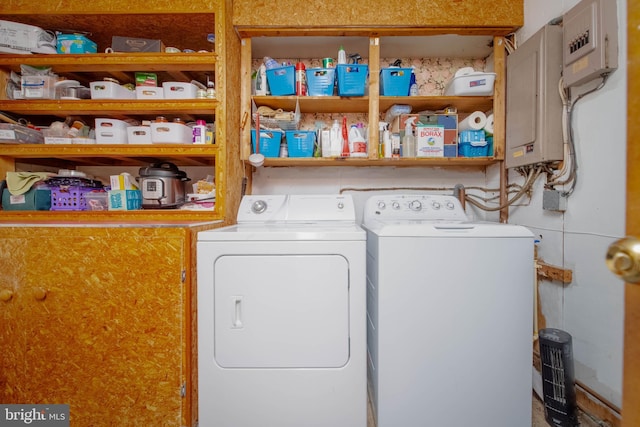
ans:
(590, 41)
(534, 105)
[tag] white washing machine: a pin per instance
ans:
(450, 309)
(282, 315)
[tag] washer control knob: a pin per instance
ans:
(395, 205)
(436, 205)
(381, 205)
(259, 206)
(415, 205)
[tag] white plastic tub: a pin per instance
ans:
(111, 131)
(139, 134)
(110, 90)
(179, 90)
(471, 84)
(171, 133)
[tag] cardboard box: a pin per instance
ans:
(124, 200)
(36, 199)
(124, 181)
(449, 122)
(19, 38)
(430, 141)
(75, 43)
(133, 44)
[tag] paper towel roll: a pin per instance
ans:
(474, 121)
(488, 127)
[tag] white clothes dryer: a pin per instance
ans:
(282, 315)
(450, 315)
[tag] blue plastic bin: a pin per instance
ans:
(352, 79)
(472, 136)
(395, 81)
(269, 142)
(320, 81)
(300, 143)
(473, 149)
(282, 80)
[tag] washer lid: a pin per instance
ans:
(446, 229)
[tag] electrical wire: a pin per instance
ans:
(568, 125)
(532, 174)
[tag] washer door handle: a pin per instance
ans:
(236, 322)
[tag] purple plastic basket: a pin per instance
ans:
(69, 198)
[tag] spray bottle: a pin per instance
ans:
(261, 81)
(413, 84)
(342, 56)
(381, 147)
(409, 141)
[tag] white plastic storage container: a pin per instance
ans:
(110, 90)
(179, 90)
(149, 92)
(38, 87)
(171, 133)
(139, 134)
(111, 131)
(467, 82)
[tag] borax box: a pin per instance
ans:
(430, 141)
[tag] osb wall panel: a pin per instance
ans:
(96, 320)
(394, 13)
(104, 6)
(233, 170)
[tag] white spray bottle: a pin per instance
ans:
(409, 141)
(261, 81)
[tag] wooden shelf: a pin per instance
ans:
(329, 104)
(122, 218)
(315, 104)
(112, 154)
(402, 162)
(198, 61)
(115, 107)
(464, 104)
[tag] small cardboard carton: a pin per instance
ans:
(133, 44)
(430, 141)
(124, 200)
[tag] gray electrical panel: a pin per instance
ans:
(534, 105)
(590, 42)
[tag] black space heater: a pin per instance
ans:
(558, 386)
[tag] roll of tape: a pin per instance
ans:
(474, 121)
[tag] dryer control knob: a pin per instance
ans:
(259, 206)
(415, 205)
(340, 205)
(435, 205)
(395, 205)
(450, 205)
(381, 205)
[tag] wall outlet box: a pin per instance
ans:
(554, 200)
